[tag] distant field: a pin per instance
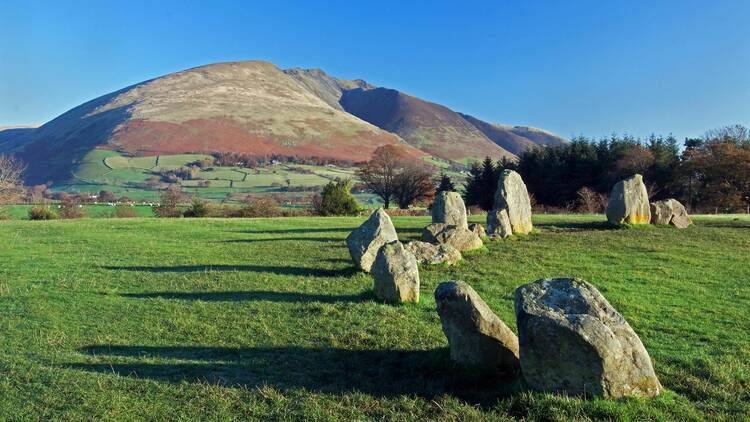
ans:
(109, 170)
(266, 319)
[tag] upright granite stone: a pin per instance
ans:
(512, 196)
(477, 229)
(449, 208)
(395, 273)
(498, 224)
(670, 211)
(573, 341)
(460, 238)
(365, 241)
(628, 202)
(477, 337)
(430, 254)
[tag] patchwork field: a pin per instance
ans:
(266, 319)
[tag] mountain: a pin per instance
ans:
(515, 139)
(253, 107)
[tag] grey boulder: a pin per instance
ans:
(430, 254)
(670, 211)
(477, 337)
(513, 197)
(573, 341)
(628, 202)
(498, 224)
(365, 241)
(395, 274)
(460, 238)
(477, 229)
(449, 208)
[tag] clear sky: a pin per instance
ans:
(572, 67)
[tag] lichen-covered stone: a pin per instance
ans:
(573, 341)
(477, 337)
(365, 241)
(513, 197)
(430, 254)
(395, 274)
(477, 229)
(449, 208)
(670, 211)
(498, 224)
(460, 238)
(628, 202)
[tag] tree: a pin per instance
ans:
(11, 184)
(336, 199)
(413, 184)
(168, 203)
(481, 185)
(198, 209)
(445, 184)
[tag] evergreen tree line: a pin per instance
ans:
(709, 174)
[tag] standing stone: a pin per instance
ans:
(449, 208)
(512, 196)
(670, 211)
(498, 224)
(460, 238)
(477, 337)
(365, 241)
(574, 342)
(396, 274)
(628, 202)
(429, 254)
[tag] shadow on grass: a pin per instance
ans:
(576, 225)
(383, 373)
(285, 239)
(299, 231)
(272, 269)
(241, 296)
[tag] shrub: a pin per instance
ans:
(69, 209)
(258, 207)
(336, 199)
(42, 213)
(198, 209)
(168, 202)
(124, 211)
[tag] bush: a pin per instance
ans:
(124, 211)
(69, 209)
(42, 213)
(336, 199)
(198, 209)
(258, 207)
(168, 202)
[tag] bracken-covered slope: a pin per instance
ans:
(245, 107)
(428, 126)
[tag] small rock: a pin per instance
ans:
(429, 254)
(573, 341)
(628, 202)
(670, 211)
(449, 208)
(365, 241)
(461, 239)
(477, 229)
(498, 224)
(477, 337)
(395, 273)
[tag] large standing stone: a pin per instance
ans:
(396, 274)
(512, 196)
(628, 202)
(477, 337)
(449, 208)
(670, 211)
(498, 224)
(573, 341)
(365, 241)
(460, 238)
(429, 254)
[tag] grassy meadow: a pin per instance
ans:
(266, 319)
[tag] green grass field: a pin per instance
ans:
(266, 319)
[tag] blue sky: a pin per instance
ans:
(573, 67)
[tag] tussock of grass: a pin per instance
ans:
(267, 319)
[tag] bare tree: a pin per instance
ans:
(379, 174)
(413, 184)
(11, 184)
